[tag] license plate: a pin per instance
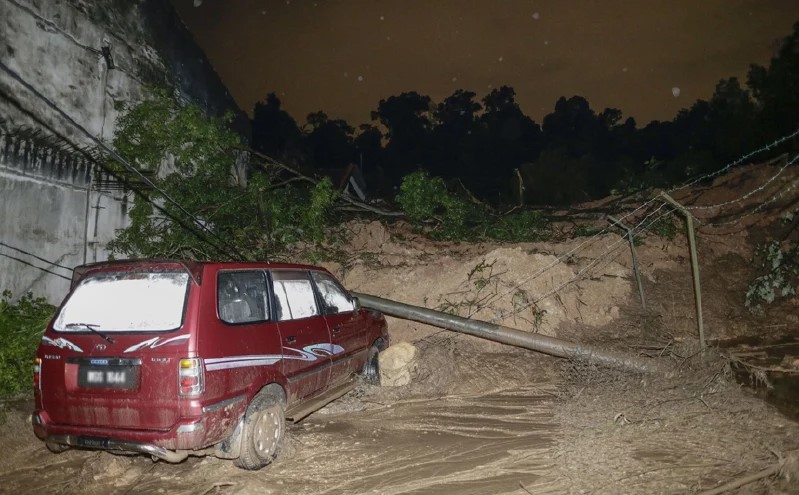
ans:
(123, 377)
(93, 442)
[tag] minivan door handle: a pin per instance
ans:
(337, 329)
(291, 339)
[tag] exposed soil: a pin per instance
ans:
(480, 417)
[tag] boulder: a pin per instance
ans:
(397, 363)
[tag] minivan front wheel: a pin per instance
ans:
(262, 436)
(371, 368)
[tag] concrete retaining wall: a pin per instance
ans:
(57, 209)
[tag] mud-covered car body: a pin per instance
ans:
(166, 357)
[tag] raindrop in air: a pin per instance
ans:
(675, 91)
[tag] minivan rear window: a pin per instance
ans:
(126, 302)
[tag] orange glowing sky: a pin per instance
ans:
(343, 56)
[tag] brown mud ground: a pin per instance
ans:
(553, 427)
(482, 418)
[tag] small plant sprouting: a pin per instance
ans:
(481, 281)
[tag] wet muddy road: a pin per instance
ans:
(497, 442)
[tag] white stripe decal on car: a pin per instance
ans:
(241, 363)
(155, 342)
(61, 343)
(308, 353)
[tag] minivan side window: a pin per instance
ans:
(294, 295)
(241, 296)
(334, 298)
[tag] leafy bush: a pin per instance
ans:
(426, 201)
(781, 266)
(521, 226)
(21, 327)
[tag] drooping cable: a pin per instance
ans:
(130, 168)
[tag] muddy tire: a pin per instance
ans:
(371, 368)
(56, 448)
(263, 432)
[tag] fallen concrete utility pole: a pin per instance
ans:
(505, 335)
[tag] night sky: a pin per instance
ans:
(343, 56)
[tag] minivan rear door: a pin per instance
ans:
(111, 357)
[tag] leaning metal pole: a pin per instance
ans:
(505, 335)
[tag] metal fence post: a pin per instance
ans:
(635, 258)
(694, 266)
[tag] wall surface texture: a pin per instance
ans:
(57, 207)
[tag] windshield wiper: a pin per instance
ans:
(90, 327)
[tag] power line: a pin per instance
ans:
(754, 210)
(605, 230)
(750, 193)
(51, 263)
(739, 161)
(616, 245)
(561, 257)
(34, 266)
(122, 161)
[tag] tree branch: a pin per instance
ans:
(299, 176)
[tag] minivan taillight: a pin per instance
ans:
(190, 376)
(37, 372)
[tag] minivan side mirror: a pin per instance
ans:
(356, 303)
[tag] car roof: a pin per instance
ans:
(195, 268)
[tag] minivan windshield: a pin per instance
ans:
(126, 302)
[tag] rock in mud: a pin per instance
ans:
(396, 364)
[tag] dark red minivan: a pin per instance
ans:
(173, 358)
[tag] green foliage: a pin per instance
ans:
(426, 201)
(585, 231)
(21, 327)
(781, 267)
(521, 226)
(421, 196)
(664, 227)
(195, 160)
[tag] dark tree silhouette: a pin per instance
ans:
(274, 131)
(776, 88)
(407, 120)
(507, 139)
(455, 135)
(369, 154)
(328, 143)
(576, 154)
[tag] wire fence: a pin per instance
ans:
(644, 224)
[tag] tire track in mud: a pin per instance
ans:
(467, 444)
(496, 442)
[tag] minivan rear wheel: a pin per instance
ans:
(56, 448)
(262, 435)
